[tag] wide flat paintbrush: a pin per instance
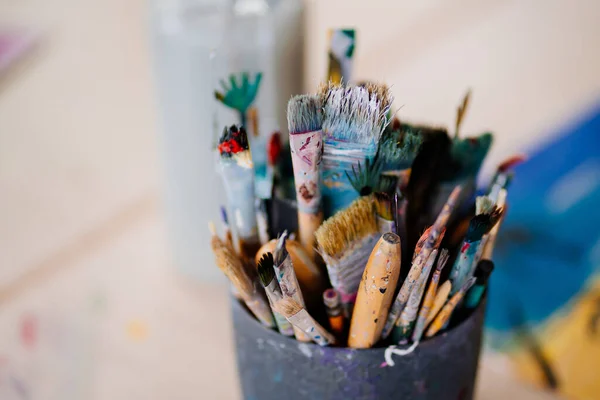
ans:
(233, 268)
(238, 179)
(345, 243)
(305, 119)
(354, 118)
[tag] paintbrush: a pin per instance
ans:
(228, 235)
(233, 268)
(405, 323)
(353, 120)
(305, 119)
(238, 180)
(440, 299)
(428, 302)
(376, 292)
(266, 274)
(284, 271)
(487, 215)
(312, 281)
(384, 208)
(262, 220)
(303, 322)
(444, 315)
(335, 313)
(489, 240)
(419, 261)
(345, 243)
(503, 175)
(482, 274)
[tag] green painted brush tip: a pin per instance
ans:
(266, 273)
(383, 205)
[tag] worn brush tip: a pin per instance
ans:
(346, 227)
(280, 250)
(444, 255)
(481, 224)
(288, 307)
(266, 272)
(304, 113)
(391, 238)
(483, 205)
(511, 162)
(233, 140)
(383, 205)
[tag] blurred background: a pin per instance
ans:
(107, 179)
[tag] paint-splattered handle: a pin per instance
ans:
(306, 149)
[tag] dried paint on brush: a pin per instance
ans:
(376, 292)
(233, 268)
(266, 274)
(384, 207)
(354, 118)
(238, 179)
(405, 323)
(303, 322)
(429, 297)
(335, 313)
(305, 118)
(345, 243)
(284, 272)
(433, 240)
(489, 240)
(487, 216)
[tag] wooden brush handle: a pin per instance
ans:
(307, 225)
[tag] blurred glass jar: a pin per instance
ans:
(197, 43)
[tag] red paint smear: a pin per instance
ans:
(29, 331)
(511, 162)
(230, 146)
(465, 247)
(274, 148)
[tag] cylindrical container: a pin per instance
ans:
(272, 366)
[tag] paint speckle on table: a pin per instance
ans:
(305, 349)
(137, 330)
(261, 343)
(29, 331)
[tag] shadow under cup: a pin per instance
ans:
(272, 366)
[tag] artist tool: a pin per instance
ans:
(426, 308)
(312, 281)
(232, 267)
(406, 321)
(503, 175)
(262, 220)
(238, 180)
(461, 111)
(489, 240)
(345, 243)
(375, 292)
(482, 274)
(419, 261)
(385, 209)
(446, 311)
(239, 96)
(341, 55)
(266, 274)
(353, 120)
(303, 322)
(335, 313)
(305, 119)
(227, 230)
(284, 272)
(440, 299)
(487, 215)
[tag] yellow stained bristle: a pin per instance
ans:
(347, 227)
(287, 307)
(231, 265)
(383, 206)
(381, 92)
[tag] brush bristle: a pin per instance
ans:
(231, 265)
(266, 273)
(481, 224)
(511, 162)
(304, 113)
(441, 263)
(355, 114)
(383, 205)
(400, 146)
(288, 307)
(280, 250)
(347, 227)
(483, 205)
